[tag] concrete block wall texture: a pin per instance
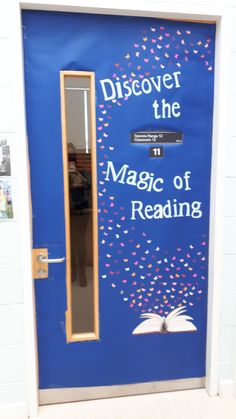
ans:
(227, 370)
(13, 298)
(13, 366)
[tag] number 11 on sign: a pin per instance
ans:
(156, 152)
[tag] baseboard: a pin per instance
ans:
(227, 388)
(14, 411)
(66, 395)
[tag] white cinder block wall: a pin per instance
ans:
(227, 369)
(16, 329)
(13, 371)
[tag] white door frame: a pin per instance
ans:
(176, 10)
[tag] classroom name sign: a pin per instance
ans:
(147, 182)
(160, 137)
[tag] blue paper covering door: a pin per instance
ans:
(152, 76)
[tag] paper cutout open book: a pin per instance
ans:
(176, 321)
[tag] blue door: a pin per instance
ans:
(149, 195)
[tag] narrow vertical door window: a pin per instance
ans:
(78, 133)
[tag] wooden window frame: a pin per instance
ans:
(75, 337)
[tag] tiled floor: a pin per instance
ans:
(191, 404)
